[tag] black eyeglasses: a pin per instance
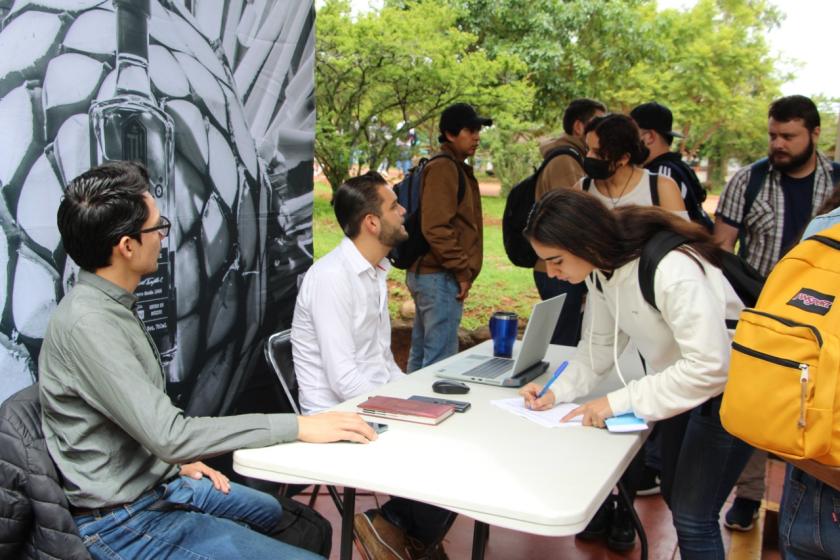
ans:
(162, 227)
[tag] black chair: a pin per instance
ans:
(278, 353)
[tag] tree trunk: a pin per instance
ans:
(335, 175)
(717, 171)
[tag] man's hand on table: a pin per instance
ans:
(199, 470)
(327, 427)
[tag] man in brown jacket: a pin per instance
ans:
(564, 171)
(451, 222)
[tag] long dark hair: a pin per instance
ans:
(581, 224)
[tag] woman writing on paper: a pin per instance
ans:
(685, 344)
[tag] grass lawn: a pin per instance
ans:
(500, 286)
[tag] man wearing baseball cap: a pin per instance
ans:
(655, 122)
(451, 222)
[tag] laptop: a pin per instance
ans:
(527, 364)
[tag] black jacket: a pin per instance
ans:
(670, 164)
(35, 521)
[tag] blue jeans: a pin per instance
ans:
(567, 330)
(809, 519)
(189, 519)
(404, 165)
(700, 464)
(436, 320)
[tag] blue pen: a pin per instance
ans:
(553, 378)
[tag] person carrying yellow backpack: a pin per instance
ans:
(793, 409)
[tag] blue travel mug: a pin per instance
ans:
(503, 330)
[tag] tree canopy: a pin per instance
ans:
(523, 61)
(385, 72)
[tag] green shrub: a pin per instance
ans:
(514, 156)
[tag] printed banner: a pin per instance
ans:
(216, 98)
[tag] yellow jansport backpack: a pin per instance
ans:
(782, 393)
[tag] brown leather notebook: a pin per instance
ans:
(406, 409)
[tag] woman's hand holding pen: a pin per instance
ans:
(541, 398)
(530, 392)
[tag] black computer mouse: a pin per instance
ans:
(450, 387)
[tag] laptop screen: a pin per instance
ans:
(538, 333)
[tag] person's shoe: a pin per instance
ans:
(649, 484)
(742, 515)
(622, 536)
(599, 527)
(380, 539)
(418, 550)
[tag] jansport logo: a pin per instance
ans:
(812, 301)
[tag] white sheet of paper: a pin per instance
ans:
(548, 418)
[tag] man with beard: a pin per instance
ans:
(341, 331)
(341, 344)
(797, 179)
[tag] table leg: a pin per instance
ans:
(336, 498)
(625, 497)
(480, 533)
(348, 510)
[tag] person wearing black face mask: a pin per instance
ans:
(613, 168)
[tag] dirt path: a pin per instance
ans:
(490, 189)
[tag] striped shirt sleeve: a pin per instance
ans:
(731, 204)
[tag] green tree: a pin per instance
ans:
(386, 71)
(710, 64)
(714, 70)
(572, 48)
(513, 150)
(829, 109)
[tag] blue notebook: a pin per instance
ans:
(626, 423)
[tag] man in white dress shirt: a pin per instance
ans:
(341, 344)
(341, 331)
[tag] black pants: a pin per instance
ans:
(425, 522)
(567, 331)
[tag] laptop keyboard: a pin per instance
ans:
(491, 368)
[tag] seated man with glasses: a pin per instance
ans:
(127, 456)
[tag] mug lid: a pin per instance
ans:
(505, 314)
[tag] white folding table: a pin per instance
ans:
(486, 463)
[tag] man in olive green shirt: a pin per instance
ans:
(127, 456)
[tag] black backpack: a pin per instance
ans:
(695, 193)
(518, 207)
(758, 173)
(744, 279)
(303, 527)
(409, 193)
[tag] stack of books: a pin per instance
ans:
(406, 409)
